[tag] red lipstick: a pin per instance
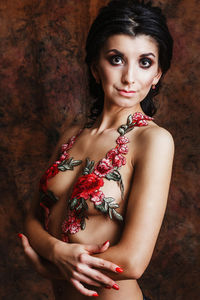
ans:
(126, 93)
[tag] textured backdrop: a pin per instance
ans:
(42, 84)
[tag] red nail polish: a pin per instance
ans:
(119, 270)
(106, 242)
(19, 235)
(95, 295)
(115, 286)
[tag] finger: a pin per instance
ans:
(80, 287)
(104, 246)
(85, 279)
(29, 251)
(97, 248)
(34, 258)
(97, 276)
(99, 263)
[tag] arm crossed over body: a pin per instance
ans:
(146, 204)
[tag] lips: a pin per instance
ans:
(126, 93)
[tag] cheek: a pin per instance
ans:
(146, 79)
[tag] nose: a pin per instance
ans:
(128, 75)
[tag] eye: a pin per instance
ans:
(116, 60)
(145, 63)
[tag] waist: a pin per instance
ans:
(129, 290)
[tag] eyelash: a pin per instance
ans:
(146, 60)
(114, 57)
(143, 60)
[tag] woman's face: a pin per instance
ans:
(127, 68)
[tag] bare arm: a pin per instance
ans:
(146, 204)
(65, 257)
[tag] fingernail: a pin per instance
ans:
(106, 242)
(119, 270)
(115, 286)
(95, 295)
(19, 235)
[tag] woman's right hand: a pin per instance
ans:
(76, 264)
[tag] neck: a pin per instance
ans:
(113, 117)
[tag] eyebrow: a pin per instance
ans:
(120, 53)
(148, 54)
(116, 51)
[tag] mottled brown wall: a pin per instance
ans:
(42, 84)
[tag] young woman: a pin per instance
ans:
(94, 226)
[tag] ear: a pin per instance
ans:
(157, 77)
(95, 73)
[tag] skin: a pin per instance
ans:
(127, 68)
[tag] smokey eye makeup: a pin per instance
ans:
(146, 62)
(116, 60)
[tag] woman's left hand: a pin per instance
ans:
(42, 266)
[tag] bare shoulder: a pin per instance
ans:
(157, 134)
(155, 140)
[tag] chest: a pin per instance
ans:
(92, 177)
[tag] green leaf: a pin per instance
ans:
(89, 166)
(86, 171)
(68, 164)
(83, 224)
(76, 162)
(113, 205)
(121, 131)
(85, 206)
(73, 203)
(129, 120)
(109, 199)
(117, 215)
(115, 175)
(121, 185)
(79, 207)
(125, 127)
(110, 213)
(101, 208)
(51, 195)
(106, 206)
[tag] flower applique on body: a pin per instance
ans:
(89, 184)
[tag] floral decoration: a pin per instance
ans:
(89, 184)
(71, 224)
(103, 167)
(86, 185)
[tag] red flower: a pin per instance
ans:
(138, 116)
(64, 147)
(122, 140)
(51, 172)
(103, 167)
(112, 153)
(140, 119)
(64, 156)
(86, 185)
(123, 149)
(141, 123)
(71, 224)
(118, 161)
(97, 197)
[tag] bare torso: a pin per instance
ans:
(99, 228)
